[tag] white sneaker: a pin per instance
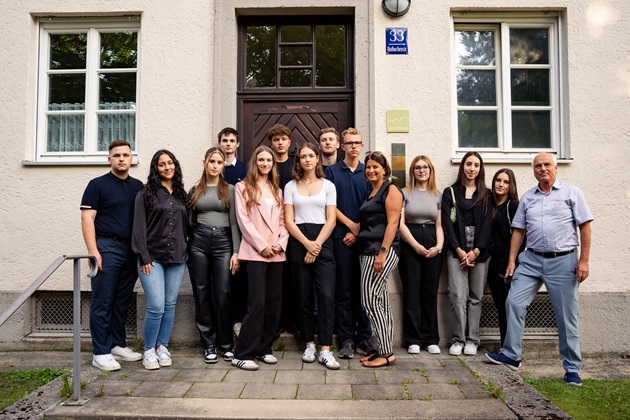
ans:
(164, 357)
(237, 329)
(105, 362)
(309, 354)
(434, 349)
(456, 350)
(413, 349)
(126, 354)
(245, 364)
(470, 349)
(269, 359)
(150, 360)
(327, 359)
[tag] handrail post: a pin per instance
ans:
(76, 336)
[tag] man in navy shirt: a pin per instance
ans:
(329, 146)
(235, 170)
(106, 221)
(353, 325)
(550, 214)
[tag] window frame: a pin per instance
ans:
(93, 27)
(501, 23)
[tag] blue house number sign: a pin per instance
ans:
(396, 41)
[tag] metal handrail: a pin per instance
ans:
(76, 303)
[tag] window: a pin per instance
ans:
(296, 56)
(87, 92)
(507, 85)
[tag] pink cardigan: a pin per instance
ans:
(259, 230)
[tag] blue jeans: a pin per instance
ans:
(160, 288)
(558, 276)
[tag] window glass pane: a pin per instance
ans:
(116, 126)
(295, 33)
(531, 129)
(261, 56)
(65, 133)
(476, 87)
(530, 87)
(477, 128)
(295, 78)
(475, 48)
(119, 50)
(295, 56)
(330, 53)
(117, 91)
(68, 51)
(529, 46)
(66, 92)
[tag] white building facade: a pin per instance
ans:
(494, 76)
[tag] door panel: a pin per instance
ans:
(304, 118)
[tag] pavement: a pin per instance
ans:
(418, 386)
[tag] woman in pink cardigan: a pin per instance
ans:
(260, 215)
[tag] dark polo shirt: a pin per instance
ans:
(113, 199)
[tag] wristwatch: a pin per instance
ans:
(383, 249)
(439, 250)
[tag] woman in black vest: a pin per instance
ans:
(378, 246)
(468, 243)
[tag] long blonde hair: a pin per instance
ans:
(223, 190)
(431, 185)
(251, 179)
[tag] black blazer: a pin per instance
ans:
(454, 233)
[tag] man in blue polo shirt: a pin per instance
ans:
(106, 221)
(234, 170)
(353, 325)
(550, 214)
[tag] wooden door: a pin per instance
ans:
(296, 71)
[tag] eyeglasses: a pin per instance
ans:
(419, 168)
(369, 154)
(353, 144)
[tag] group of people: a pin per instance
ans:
(308, 241)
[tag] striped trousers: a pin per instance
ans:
(375, 299)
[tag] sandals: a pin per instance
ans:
(370, 357)
(375, 360)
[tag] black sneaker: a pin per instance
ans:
(210, 355)
(365, 348)
(347, 350)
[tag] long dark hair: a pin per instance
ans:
(480, 181)
(298, 172)
(251, 191)
(223, 190)
(513, 191)
(154, 181)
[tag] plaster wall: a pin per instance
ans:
(187, 83)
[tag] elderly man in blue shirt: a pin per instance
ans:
(549, 214)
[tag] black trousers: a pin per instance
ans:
(420, 279)
(264, 304)
(352, 321)
(321, 275)
(499, 289)
(209, 253)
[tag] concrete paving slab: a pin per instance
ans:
(215, 390)
(197, 362)
(380, 392)
(168, 390)
(435, 392)
(350, 377)
(445, 376)
(200, 375)
(324, 392)
(116, 387)
(283, 364)
(258, 377)
(300, 377)
(474, 390)
(399, 377)
(201, 408)
(158, 375)
(270, 391)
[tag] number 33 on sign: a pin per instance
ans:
(396, 41)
